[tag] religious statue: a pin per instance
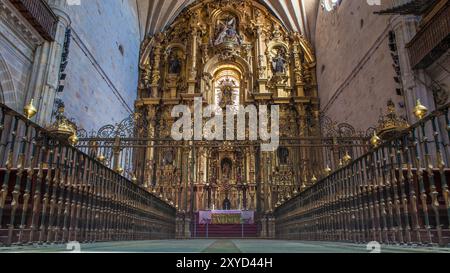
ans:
(174, 64)
(227, 31)
(227, 92)
(168, 158)
(226, 169)
(226, 204)
(283, 155)
(279, 62)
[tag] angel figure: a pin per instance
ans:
(227, 32)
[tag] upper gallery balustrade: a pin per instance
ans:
(433, 36)
(40, 16)
(416, 7)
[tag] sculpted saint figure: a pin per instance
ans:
(174, 64)
(226, 169)
(279, 62)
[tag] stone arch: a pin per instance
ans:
(7, 90)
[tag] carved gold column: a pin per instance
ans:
(262, 65)
(156, 74)
(298, 71)
(193, 69)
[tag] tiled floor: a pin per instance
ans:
(223, 246)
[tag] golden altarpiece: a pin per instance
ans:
(226, 52)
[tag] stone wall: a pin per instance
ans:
(102, 72)
(355, 68)
(18, 43)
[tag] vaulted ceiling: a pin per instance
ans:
(297, 15)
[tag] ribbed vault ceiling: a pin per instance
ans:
(297, 15)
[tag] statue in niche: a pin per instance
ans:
(283, 156)
(227, 31)
(174, 63)
(226, 169)
(279, 62)
(168, 158)
(226, 205)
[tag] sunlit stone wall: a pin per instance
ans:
(355, 68)
(103, 62)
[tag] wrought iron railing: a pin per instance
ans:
(40, 16)
(395, 193)
(129, 156)
(51, 192)
(125, 147)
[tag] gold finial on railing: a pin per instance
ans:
(375, 140)
(101, 158)
(314, 179)
(328, 170)
(120, 170)
(134, 179)
(73, 139)
(30, 110)
(303, 186)
(420, 111)
(347, 158)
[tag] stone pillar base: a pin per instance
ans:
(271, 227)
(187, 228)
(179, 227)
(183, 226)
(263, 233)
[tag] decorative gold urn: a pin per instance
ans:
(63, 129)
(390, 124)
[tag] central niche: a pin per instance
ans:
(227, 85)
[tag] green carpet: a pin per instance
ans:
(222, 246)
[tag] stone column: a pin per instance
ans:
(47, 62)
(413, 81)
